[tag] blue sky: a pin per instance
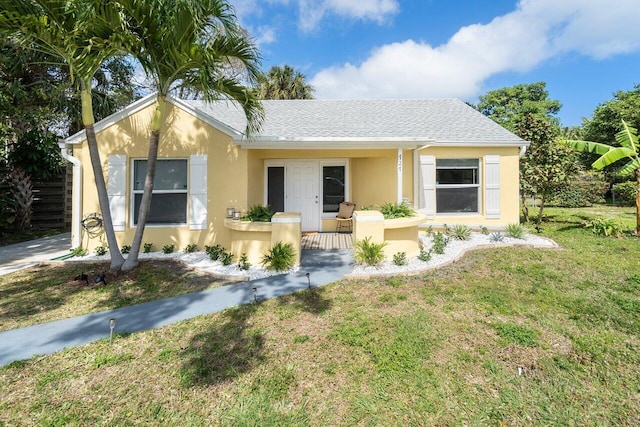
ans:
(584, 49)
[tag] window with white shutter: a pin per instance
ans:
(116, 189)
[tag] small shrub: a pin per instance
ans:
(101, 250)
(429, 230)
(168, 249)
(125, 249)
(496, 237)
(243, 263)
(440, 241)
(625, 193)
(79, 251)
(400, 258)
(460, 232)
(516, 231)
(395, 210)
(190, 248)
(424, 255)
(148, 247)
(605, 227)
(368, 253)
(280, 258)
(214, 252)
(226, 258)
(484, 230)
(258, 213)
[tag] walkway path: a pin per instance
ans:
(27, 254)
(323, 267)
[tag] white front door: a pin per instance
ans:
(302, 193)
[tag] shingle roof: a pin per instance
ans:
(440, 120)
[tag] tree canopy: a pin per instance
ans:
(605, 122)
(508, 106)
(284, 82)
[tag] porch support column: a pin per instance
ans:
(399, 175)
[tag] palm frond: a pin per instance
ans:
(587, 146)
(630, 168)
(612, 156)
(628, 137)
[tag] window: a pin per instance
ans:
(457, 185)
(275, 188)
(169, 201)
(333, 188)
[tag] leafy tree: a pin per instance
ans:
(283, 82)
(196, 45)
(605, 123)
(509, 106)
(82, 35)
(627, 149)
(547, 165)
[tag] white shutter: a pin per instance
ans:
(117, 190)
(492, 187)
(198, 192)
(428, 180)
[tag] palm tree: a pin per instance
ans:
(82, 34)
(610, 154)
(283, 82)
(192, 45)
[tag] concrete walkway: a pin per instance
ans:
(27, 254)
(323, 267)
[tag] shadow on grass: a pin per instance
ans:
(231, 346)
(309, 300)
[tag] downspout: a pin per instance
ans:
(399, 175)
(76, 203)
(523, 150)
(416, 176)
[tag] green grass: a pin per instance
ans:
(508, 336)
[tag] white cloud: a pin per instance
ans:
(518, 41)
(312, 12)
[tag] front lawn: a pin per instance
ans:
(507, 336)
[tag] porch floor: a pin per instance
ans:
(326, 241)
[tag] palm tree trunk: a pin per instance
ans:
(22, 192)
(145, 203)
(103, 199)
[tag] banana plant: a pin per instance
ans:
(610, 154)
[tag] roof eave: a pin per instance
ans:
(269, 143)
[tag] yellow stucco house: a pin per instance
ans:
(450, 162)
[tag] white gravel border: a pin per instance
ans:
(454, 250)
(200, 261)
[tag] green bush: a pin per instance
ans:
(190, 248)
(424, 255)
(395, 210)
(585, 190)
(168, 249)
(484, 230)
(214, 252)
(101, 250)
(440, 241)
(605, 227)
(7, 212)
(366, 252)
(243, 263)
(125, 249)
(258, 213)
(281, 257)
(400, 258)
(460, 232)
(516, 231)
(625, 193)
(148, 247)
(226, 258)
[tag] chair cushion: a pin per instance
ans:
(346, 210)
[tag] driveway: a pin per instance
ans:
(27, 254)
